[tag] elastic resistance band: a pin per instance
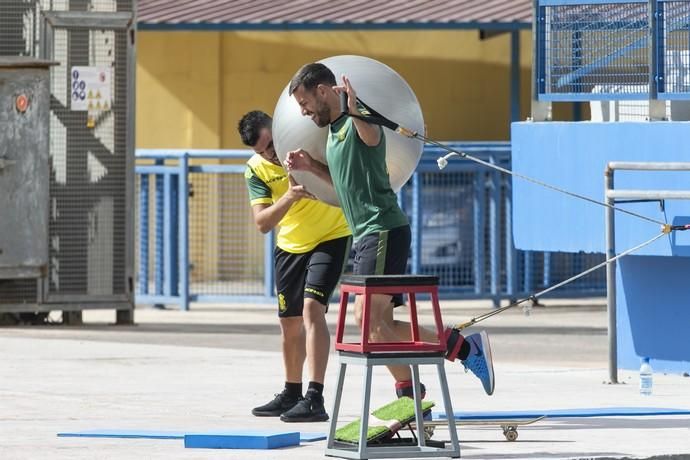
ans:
(378, 119)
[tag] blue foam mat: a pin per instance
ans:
(130, 434)
(149, 434)
(564, 413)
(311, 437)
(241, 440)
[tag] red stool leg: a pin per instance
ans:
(366, 314)
(342, 315)
(440, 333)
(414, 323)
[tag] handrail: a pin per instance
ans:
(623, 194)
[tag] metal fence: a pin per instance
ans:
(611, 49)
(197, 241)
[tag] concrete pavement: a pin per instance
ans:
(206, 369)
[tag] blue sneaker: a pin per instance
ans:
(479, 360)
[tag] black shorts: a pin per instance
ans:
(313, 274)
(383, 253)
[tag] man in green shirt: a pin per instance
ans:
(356, 165)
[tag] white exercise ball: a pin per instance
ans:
(381, 88)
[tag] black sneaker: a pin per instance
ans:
(281, 403)
(309, 409)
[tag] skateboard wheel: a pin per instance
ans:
(511, 435)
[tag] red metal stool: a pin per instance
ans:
(411, 353)
(389, 284)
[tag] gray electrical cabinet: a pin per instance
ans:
(66, 161)
(24, 168)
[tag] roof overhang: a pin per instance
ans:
(323, 26)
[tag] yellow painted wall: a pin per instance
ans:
(178, 82)
(192, 88)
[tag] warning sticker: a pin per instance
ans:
(91, 88)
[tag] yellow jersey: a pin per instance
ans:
(307, 223)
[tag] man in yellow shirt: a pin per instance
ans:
(313, 244)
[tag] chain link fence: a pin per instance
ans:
(605, 50)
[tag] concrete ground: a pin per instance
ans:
(205, 369)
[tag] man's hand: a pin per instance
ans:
(370, 134)
(296, 192)
(351, 94)
(299, 160)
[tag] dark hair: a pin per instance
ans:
(251, 124)
(310, 76)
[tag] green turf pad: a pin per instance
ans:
(401, 410)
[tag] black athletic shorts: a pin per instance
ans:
(383, 253)
(313, 274)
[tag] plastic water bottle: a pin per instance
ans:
(646, 378)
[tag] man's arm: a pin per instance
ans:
(369, 133)
(268, 215)
(300, 160)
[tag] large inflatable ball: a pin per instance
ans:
(382, 89)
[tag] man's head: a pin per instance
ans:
(255, 130)
(312, 87)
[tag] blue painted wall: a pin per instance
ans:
(654, 286)
(573, 156)
(653, 314)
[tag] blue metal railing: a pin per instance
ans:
(460, 220)
(592, 50)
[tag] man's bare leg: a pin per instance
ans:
(381, 330)
(294, 350)
(318, 339)
(402, 328)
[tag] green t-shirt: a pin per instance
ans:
(360, 179)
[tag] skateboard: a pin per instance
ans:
(384, 423)
(508, 425)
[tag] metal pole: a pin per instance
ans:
(611, 281)
(479, 206)
(546, 274)
(540, 110)
(495, 249)
(183, 222)
(416, 227)
(650, 165)
(651, 195)
(511, 253)
(143, 234)
(168, 247)
(515, 75)
(174, 264)
(528, 280)
(160, 211)
(657, 108)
